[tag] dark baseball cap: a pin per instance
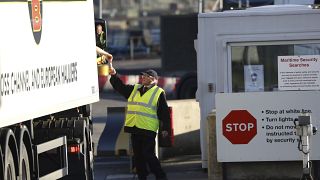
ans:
(150, 72)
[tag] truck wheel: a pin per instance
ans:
(24, 166)
(89, 157)
(1, 164)
(188, 89)
(9, 169)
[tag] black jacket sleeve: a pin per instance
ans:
(117, 84)
(163, 113)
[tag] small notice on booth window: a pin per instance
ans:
(299, 72)
(253, 78)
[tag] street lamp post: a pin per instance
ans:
(201, 6)
(100, 9)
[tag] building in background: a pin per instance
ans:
(136, 23)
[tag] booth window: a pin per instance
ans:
(255, 67)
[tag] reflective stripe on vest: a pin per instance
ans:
(142, 110)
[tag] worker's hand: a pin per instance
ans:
(109, 57)
(164, 133)
(106, 58)
(112, 71)
(99, 60)
(103, 59)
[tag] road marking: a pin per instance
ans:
(111, 163)
(120, 176)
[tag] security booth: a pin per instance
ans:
(263, 67)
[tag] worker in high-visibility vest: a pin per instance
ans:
(147, 108)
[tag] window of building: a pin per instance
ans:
(254, 66)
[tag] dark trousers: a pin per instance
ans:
(144, 156)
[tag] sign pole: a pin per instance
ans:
(305, 129)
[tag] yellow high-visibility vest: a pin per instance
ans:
(142, 110)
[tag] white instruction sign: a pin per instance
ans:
(259, 126)
(299, 72)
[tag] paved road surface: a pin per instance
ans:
(118, 168)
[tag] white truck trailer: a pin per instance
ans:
(48, 79)
(269, 54)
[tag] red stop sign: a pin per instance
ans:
(239, 127)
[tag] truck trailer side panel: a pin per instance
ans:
(48, 79)
(56, 74)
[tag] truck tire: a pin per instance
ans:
(9, 168)
(10, 154)
(87, 146)
(24, 166)
(187, 89)
(88, 156)
(1, 164)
